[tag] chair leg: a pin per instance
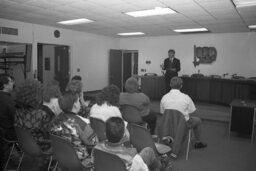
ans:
(49, 165)
(20, 161)
(55, 166)
(9, 157)
(189, 138)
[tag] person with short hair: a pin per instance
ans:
(77, 77)
(73, 127)
(7, 113)
(177, 100)
(139, 100)
(7, 106)
(133, 160)
(171, 66)
(76, 86)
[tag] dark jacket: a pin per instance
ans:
(7, 113)
(169, 65)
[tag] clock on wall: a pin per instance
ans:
(57, 33)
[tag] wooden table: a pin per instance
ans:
(242, 117)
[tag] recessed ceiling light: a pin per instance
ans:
(252, 27)
(244, 3)
(190, 30)
(75, 21)
(130, 34)
(151, 12)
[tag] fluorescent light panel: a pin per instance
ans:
(252, 27)
(130, 34)
(75, 21)
(151, 12)
(244, 3)
(190, 30)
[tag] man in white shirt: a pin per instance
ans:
(177, 100)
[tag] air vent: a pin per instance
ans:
(9, 31)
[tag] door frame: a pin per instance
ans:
(41, 67)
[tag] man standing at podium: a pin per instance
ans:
(172, 67)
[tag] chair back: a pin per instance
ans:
(170, 123)
(131, 114)
(99, 127)
(27, 142)
(65, 153)
(140, 137)
(173, 124)
(104, 161)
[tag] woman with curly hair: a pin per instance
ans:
(107, 103)
(107, 106)
(38, 106)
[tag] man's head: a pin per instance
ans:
(77, 77)
(176, 83)
(171, 53)
(6, 83)
(114, 129)
(131, 85)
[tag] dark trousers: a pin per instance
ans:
(150, 119)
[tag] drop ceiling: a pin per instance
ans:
(218, 16)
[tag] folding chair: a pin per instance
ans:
(131, 115)
(29, 145)
(13, 144)
(173, 124)
(66, 154)
(140, 138)
(104, 161)
(99, 127)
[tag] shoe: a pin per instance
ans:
(200, 145)
(173, 156)
(167, 140)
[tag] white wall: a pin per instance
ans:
(89, 52)
(236, 52)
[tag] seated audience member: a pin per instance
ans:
(107, 103)
(133, 160)
(76, 86)
(72, 127)
(139, 100)
(79, 89)
(106, 106)
(7, 106)
(38, 106)
(7, 112)
(177, 100)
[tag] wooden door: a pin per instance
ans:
(115, 68)
(127, 66)
(39, 62)
(62, 66)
